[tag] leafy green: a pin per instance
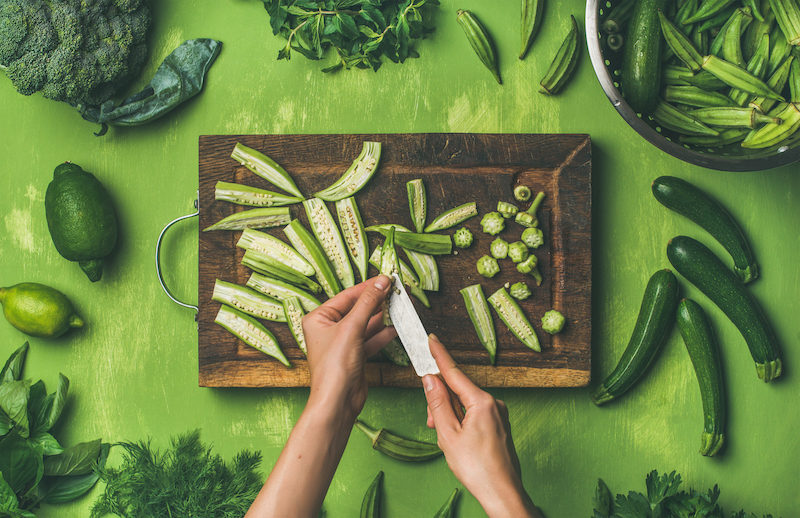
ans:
(359, 31)
(185, 480)
(664, 499)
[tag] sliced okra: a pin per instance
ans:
(563, 64)
(417, 203)
(508, 210)
(511, 314)
(481, 318)
(410, 278)
(499, 248)
(737, 77)
(390, 266)
(356, 176)
(463, 238)
(271, 267)
(250, 331)
(527, 218)
(453, 217)
(487, 266)
(354, 235)
(533, 237)
(280, 290)
(307, 245)
(324, 227)
(522, 193)
(253, 218)
(247, 195)
(518, 251)
(294, 311)
(275, 248)
(248, 301)
(396, 353)
(423, 264)
(265, 167)
(531, 267)
(519, 290)
(773, 134)
(434, 244)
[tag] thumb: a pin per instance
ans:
(440, 409)
(370, 301)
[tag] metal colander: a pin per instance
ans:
(733, 157)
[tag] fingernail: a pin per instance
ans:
(382, 282)
(434, 337)
(428, 383)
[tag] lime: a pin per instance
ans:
(81, 219)
(38, 310)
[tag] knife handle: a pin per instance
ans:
(455, 402)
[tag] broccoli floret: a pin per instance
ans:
(463, 238)
(533, 237)
(553, 322)
(493, 223)
(81, 53)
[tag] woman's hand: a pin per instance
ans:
(340, 335)
(478, 450)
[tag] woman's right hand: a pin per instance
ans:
(479, 450)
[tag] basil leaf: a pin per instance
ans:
(13, 367)
(8, 499)
(49, 443)
(14, 402)
(57, 489)
(75, 460)
(19, 460)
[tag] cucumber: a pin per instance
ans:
(655, 320)
(687, 200)
(641, 61)
(699, 339)
(701, 267)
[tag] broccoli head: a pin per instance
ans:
(75, 51)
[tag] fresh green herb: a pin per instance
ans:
(185, 480)
(360, 32)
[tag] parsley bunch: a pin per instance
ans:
(359, 31)
(663, 500)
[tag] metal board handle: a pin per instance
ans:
(158, 258)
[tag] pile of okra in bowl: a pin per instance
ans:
(714, 87)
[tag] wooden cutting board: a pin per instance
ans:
(456, 168)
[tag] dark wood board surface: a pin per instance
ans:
(456, 168)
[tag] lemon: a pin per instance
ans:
(38, 310)
(81, 218)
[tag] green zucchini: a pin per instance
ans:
(705, 270)
(687, 200)
(656, 316)
(699, 339)
(641, 62)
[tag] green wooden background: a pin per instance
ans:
(133, 369)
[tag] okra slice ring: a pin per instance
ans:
(481, 318)
(356, 176)
(453, 217)
(307, 245)
(280, 290)
(563, 64)
(353, 232)
(327, 233)
(272, 246)
(248, 301)
(480, 41)
(253, 196)
(294, 312)
(417, 203)
(252, 218)
(265, 167)
(511, 314)
(250, 331)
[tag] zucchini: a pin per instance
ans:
(699, 339)
(687, 200)
(656, 316)
(641, 62)
(705, 270)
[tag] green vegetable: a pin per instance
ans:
(251, 332)
(563, 64)
(294, 312)
(739, 78)
(417, 203)
(324, 227)
(462, 238)
(305, 243)
(265, 167)
(447, 509)
(774, 134)
(518, 251)
(522, 193)
(553, 322)
(271, 267)
(699, 340)
(396, 353)
(618, 16)
(247, 195)
(398, 447)
(408, 275)
(478, 311)
(508, 210)
(641, 63)
(38, 310)
(353, 233)
(185, 480)
(531, 267)
(787, 14)
(432, 244)
(493, 223)
(248, 301)
(499, 248)
(453, 217)
(390, 266)
(513, 317)
(35, 467)
(705, 270)
(527, 218)
(531, 18)
(371, 505)
(655, 320)
(253, 218)
(487, 266)
(480, 41)
(533, 237)
(357, 175)
(273, 247)
(692, 202)
(519, 290)
(280, 290)
(359, 34)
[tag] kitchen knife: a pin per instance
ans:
(414, 338)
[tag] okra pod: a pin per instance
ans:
(251, 332)
(417, 203)
(787, 14)
(265, 167)
(248, 301)
(280, 290)
(453, 217)
(737, 77)
(774, 134)
(248, 195)
(423, 264)
(410, 278)
(756, 66)
(390, 266)
(324, 227)
(371, 504)
(563, 64)
(794, 81)
(269, 266)
(481, 318)
(676, 120)
(480, 41)
(776, 81)
(446, 510)
(725, 137)
(755, 8)
(511, 314)
(756, 31)
(307, 245)
(680, 44)
(354, 235)
(697, 97)
(399, 447)
(741, 18)
(733, 117)
(434, 244)
(357, 175)
(253, 218)
(293, 309)
(674, 75)
(708, 9)
(705, 80)
(779, 50)
(272, 246)
(531, 18)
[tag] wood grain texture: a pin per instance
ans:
(456, 168)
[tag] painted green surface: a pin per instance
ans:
(133, 368)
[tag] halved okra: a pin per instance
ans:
(417, 203)
(307, 245)
(396, 353)
(354, 235)
(271, 267)
(453, 217)
(434, 244)
(410, 278)
(390, 267)
(423, 264)
(248, 301)
(280, 290)
(324, 227)
(275, 248)
(511, 314)
(253, 218)
(248, 195)
(356, 176)
(478, 311)
(293, 309)
(250, 331)
(265, 167)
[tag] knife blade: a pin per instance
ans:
(414, 338)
